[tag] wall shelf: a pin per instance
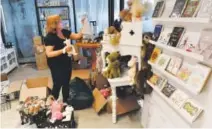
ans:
(179, 83)
(170, 103)
(191, 55)
(183, 20)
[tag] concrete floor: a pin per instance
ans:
(86, 118)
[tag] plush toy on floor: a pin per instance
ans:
(113, 68)
(55, 109)
(67, 113)
(132, 71)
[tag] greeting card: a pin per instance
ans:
(204, 46)
(191, 110)
(178, 8)
(205, 10)
(191, 8)
(176, 36)
(174, 65)
(168, 90)
(189, 41)
(165, 35)
(155, 54)
(157, 31)
(159, 8)
(185, 71)
(198, 77)
(178, 98)
(163, 61)
(154, 79)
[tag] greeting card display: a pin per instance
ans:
(176, 36)
(191, 110)
(179, 98)
(199, 77)
(178, 8)
(174, 65)
(191, 8)
(155, 54)
(168, 90)
(204, 46)
(157, 31)
(159, 8)
(163, 61)
(185, 71)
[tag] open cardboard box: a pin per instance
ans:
(122, 105)
(35, 87)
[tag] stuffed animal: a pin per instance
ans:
(125, 15)
(55, 109)
(99, 61)
(105, 92)
(136, 10)
(73, 51)
(132, 71)
(67, 114)
(113, 68)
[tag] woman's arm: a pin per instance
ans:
(75, 36)
(51, 53)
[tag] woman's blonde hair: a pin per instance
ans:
(52, 22)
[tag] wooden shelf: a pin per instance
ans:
(183, 20)
(179, 51)
(171, 104)
(178, 83)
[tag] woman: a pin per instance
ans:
(58, 60)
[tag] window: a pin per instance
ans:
(97, 10)
(116, 9)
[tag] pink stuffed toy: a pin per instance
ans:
(55, 108)
(105, 92)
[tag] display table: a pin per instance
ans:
(92, 47)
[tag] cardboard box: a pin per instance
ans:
(4, 83)
(15, 86)
(99, 101)
(4, 77)
(122, 105)
(35, 87)
(37, 40)
(81, 73)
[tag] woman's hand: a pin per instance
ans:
(68, 48)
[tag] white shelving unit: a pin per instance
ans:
(201, 96)
(8, 60)
(182, 52)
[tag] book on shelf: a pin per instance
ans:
(205, 10)
(178, 98)
(189, 41)
(155, 54)
(160, 5)
(168, 90)
(204, 46)
(165, 35)
(176, 36)
(191, 8)
(185, 71)
(190, 109)
(163, 61)
(178, 8)
(199, 77)
(174, 65)
(157, 31)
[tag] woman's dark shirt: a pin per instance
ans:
(61, 61)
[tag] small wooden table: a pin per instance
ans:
(92, 47)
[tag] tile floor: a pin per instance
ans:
(86, 118)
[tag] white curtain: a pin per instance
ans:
(97, 10)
